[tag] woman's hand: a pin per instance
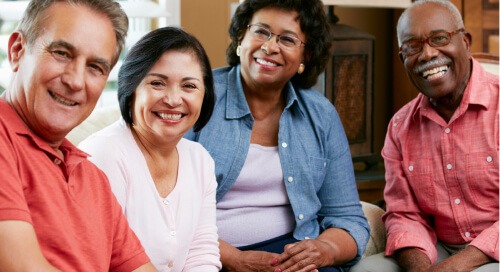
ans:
(305, 256)
(333, 247)
(252, 261)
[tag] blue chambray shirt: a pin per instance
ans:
(313, 149)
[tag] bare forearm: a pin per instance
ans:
(343, 246)
(228, 255)
(467, 259)
(19, 249)
(412, 260)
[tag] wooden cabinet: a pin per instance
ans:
(349, 86)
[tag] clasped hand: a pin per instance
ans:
(302, 256)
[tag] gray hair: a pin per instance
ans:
(34, 15)
(457, 17)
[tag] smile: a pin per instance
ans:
(435, 72)
(263, 62)
(61, 100)
(169, 116)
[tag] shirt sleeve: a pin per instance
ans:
(487, 241)
(340, 205)
(203, 255)
(406, 224)
(13, 205)
(127, 253)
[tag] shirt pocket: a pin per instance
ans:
(318, 170)
(420, 178)
(482, 177)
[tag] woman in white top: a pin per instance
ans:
(164, 183)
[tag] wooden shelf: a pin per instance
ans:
(369, 3)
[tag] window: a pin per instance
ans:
(144, 15)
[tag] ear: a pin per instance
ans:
(17, 48)
(401, 58)
(468, 40)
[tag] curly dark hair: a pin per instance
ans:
(313, 23)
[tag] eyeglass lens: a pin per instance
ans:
(438, 39)
(264, 34)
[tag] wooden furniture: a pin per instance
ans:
(370, 182)
(349, 86)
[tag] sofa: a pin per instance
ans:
(104, 116)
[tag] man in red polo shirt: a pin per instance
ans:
(57, 211)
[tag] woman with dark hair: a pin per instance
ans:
(165, 184)
(286, 195)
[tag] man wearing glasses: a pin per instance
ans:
(441, 152)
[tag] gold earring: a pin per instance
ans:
(301, 69)
(238, 50)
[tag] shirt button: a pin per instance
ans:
(457, 200)
(489, 159)
(301, 216)
(449, 166)
(467, 234)
(290, 179)
(410, 168)
(307, 238)
(57, 161)
(166, 202)
(172, 233)
(447, 130)
(395, 124)
(170, 264)
(284, 145)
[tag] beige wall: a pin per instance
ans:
(209, 21)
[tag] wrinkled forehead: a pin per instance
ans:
(420, 21)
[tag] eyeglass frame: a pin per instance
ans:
(271, 34)
(426, 41)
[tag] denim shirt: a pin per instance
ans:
(313, 150)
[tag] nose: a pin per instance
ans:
(271, 45)
(428, 52)
(74, 75)
(172, 97)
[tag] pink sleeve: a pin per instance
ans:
(406, 224)
(127, 252)
(487, 241)
(203, 255)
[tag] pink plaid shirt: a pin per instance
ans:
(442, 178)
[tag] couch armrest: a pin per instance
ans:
(373, 214)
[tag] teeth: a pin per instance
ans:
(438, 70)
(167, 116)
(440, 74)
(62, 100)
(261, 61)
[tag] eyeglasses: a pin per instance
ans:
(414, 46)
(286, 41)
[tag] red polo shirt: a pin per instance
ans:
(77, 220)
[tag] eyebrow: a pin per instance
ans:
(60, 43)
(166, 77)
(284, 32)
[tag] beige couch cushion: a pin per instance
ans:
(98, 119)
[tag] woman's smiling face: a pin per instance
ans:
(167, 102)
(267, 63)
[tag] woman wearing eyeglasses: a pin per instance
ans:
(286, 197)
